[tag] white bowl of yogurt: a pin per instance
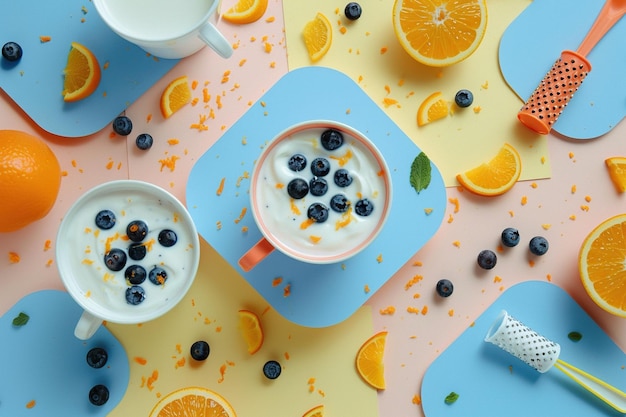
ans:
(320, 192)
(127, 252)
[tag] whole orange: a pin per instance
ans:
(30, 178)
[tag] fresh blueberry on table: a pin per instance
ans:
(137, 251)
(538, 245)
(167, 238)
(122, 125)
(510, 237)
(331, 139)
(272, 369)
(297, 162)
(105, 219)
(464, 98)
(115, 259)
(137, 230)
(343, 177)
(318, 186)
(135, 274)
(12, 51)
(320, 167)
(353, 10)
(487, 259)
(97, 357)
(157, 275)
(135, 295)
(297, 188)
(318, 212)
(364, 207)
(99, 395)
(444, 287)
(339, 203)
(200, 350)
(144, 141)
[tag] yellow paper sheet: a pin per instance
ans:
(317, 364)
(369, 53)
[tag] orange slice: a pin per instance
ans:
(175, 96)
(434, 107)
(193, 401)
(496, 176)
(617, 171)
(318, 35)
(251, 330)
(245, 11)
(602, 266)
(82, 73)
(317, 411)
(369, 360)
(440, 32)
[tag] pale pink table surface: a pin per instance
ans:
(564, 209)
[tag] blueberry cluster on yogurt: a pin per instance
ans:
(321, 187)
(129, 259)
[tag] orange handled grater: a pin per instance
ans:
(547, 102)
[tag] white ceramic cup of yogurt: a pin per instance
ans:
(83, 249)
(286, 221)
(166, 28)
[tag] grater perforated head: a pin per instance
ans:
(546, 104)
(523, 342)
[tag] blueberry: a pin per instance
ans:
(115, 259)
(135, 274)
(318, 212)
(331, 139)
(363, 207)
(320, 167)
(538, 245)
(510, 237)
(444, 287)
(464, 98)
(200, 350)
(157, 275)
(97, 357)
(137, 230)
(297, 188)
(339, 203)
(353, 11)
(137, 251)
(122, 125)
(135, 295)
(318, 186)
(272, 369)
(12, 51)
(297, 162)
(99, 395)
(144, 141)
(167, 238)
(343, 177)
(105, 219)
(487, 259)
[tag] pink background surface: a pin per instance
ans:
(563, 208)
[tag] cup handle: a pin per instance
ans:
(87, 325)
(255, 254)
(214, 38)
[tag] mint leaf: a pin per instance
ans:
(451, 398)
(420, 172)
(21, 319)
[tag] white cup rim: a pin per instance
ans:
(307, 257)
(67, 274)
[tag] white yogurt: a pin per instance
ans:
(286, 218)
(84, 247)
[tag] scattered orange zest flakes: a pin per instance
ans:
(387, 311)
(366, 289)
(220, 188)
(180, 363)
(14, 257)
(152, 379)
(424, 310)
(417, 400)
(457, 243)
(31, 404)
(455, 202)
(287, 290)
(451, 312)
(573, 189)
(173, 141)
(524, 200)
(277, 281)
(169, 162)
(140, 360)
(412, 281)
(413, 310)
(241, 215)
(379, 258)
(44, 39)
